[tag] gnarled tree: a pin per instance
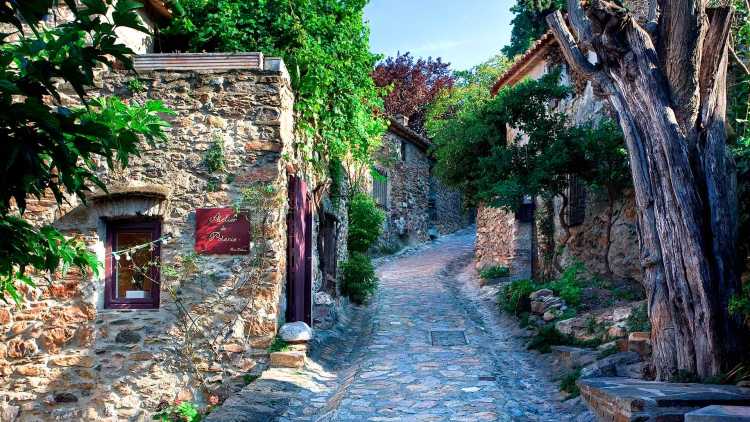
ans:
(666, 79)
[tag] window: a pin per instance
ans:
(576, 201)
(132, 265)
(403, 150)
(380, 188)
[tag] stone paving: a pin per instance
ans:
(385, 362)
(408, 376)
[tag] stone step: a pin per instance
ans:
(717, 413)
(624, 399)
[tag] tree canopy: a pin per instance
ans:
(325, 45)
(413, 84)
(50, 148)
(528, 23)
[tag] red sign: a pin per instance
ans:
(221, 231)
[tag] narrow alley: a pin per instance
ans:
(430, 360)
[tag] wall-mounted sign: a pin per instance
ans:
(221, 231)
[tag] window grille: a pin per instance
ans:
(576, 213)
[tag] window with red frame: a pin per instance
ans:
(132, 269)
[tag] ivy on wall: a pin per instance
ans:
(325, 45)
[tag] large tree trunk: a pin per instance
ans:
(667, 85)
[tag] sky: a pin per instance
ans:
(462, 32)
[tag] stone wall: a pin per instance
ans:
(407, 213)
(64, 357)
(448, 214)
(418, 205)
(502, 240)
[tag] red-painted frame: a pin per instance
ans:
(119, 226)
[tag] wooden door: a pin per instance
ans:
(299, 253)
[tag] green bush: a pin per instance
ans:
(214, 158)
(495, 271)
(278, 345)
(740, 304)
(185, 411)
(638, 320)
(365, 222)
(358, 281)
(514, 297)
(568, 286)
(568, 383)
(548, 336)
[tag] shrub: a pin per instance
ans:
(514, 297)
(548, 336)
(278, 345)
(184, 411)
(365, 222)
(214, 157)
(358, 281)
(568, 383)
(568, 286)
(638, 319)
(740, 304)
(495, 271)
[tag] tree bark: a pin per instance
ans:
(667, 86)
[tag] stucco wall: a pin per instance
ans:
(64, 357)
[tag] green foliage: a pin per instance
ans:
(325, 46)
(135, 85)
(278, 345)
(179, 412)
(514, 296)
(474, 153)
(214, 158)
(49, 147)
(638, 319)
(249, 378)
(738, 117)
(365, 222)
(740, 304)
(548, 336)
(528, 24)
(358, 281)
(337, 174)
(494, 271)
(568, 383)
(569, 285)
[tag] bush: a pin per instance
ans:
(740, 304)
(514, 297)
(568, 383)
(365, 222)
(494, 271)
(568, 286)
(548, 336)
(278, 345)
(638, 319)
(358, 278)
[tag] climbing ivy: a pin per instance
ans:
(325, 45)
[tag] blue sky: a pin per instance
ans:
(462, 32)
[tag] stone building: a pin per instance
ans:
(417, 205)
(522, 241)
(206, 243)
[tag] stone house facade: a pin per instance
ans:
(417, 205)
(525, 242)
(195, 277)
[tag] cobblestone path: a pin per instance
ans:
(407, 375)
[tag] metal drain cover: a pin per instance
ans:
(448, 338)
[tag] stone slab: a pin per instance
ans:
(448, 338)
(718, 413)
(624, 399)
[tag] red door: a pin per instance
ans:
(299, 253)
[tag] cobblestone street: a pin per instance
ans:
(416, 367)
(426, 349)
